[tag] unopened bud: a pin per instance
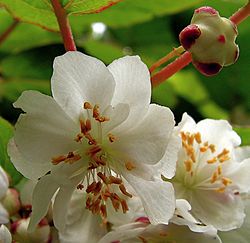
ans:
(40, 235)
(211, 40)
(5, 236)
(11, 201)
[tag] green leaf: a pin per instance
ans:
(125, 13)
(6, 132)
(244, 133)
(12, 89)
(24, 36)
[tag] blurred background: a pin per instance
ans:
(148, 28)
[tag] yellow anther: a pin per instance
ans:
(87, 106)
(188, 165)
(214, 177)
(212, 161)
(223, 153)
(129, 165)
(183, 136)
(212, 148)
(220, 189)
(191, 139)
(203, 149)
(197, 137)
(226, 181)
(219, 170)
(224, 158)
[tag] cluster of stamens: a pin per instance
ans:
(193, 146)
(99, 179)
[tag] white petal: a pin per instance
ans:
(117, 115)
(224, 211)
(133, 85)
(4, 183)
(187, 123)
(78, 78)
(5, 235)
(240, 175)
(241, 235)
(167, 165)
(82, 225)
(157, 198)
(60, 206)
(42, 194)
(242, 153)
(44, 132)
(4, 216)
(147, 142)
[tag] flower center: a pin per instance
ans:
(199, 155)
(101, 182)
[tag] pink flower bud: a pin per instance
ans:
(40, 235)
(211, 40)
(11, 201)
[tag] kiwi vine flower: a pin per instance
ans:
(98, 130)
(211, 174)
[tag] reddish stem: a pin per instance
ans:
(241, 14)
(7, 32)
(171, 69)
(64, 25)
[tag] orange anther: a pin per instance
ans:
(224, 158)
(87, 105)
(191, 139)
(219, 170)
(226, 181)
(123, 190)
(115, 180)
(214, 177)
(111, 137)
(220, 189)
(212, 161)
(183, 136)
(212, 148)
(59, 159)
(188, 164)
(130, 166)
(223, 153)
(197, 137)
(103, 177)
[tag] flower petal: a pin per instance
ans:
(4, 183)
(222, 210)
(167, 165)
(61, 205)
(4, 216)
(41, 198)
(146, 142)
(78, 78)
(157, 198)
(45, 131)
(5, 235)
(242, 153)
(133, 86)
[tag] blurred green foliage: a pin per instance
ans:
(147, 28)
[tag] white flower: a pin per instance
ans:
(140, 229)
(211, 174)
(4, 184)
(99, 120)
(5, 236)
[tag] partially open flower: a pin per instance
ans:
(211, 40)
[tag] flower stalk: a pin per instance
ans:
(240, 15)
(8, 31)
(64, 26)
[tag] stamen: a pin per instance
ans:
(123, 190)
(212, 161)
(124, 206)
(183, 136)
(129, 165)
(223, 153)
(114, 180)
(219, 170)
(197, 137)
(212, 148)
(103, 177)
(214, 177)
(188, 164)
(87, 106)
(59, 159)
(103, 210)
(226, 181)
(221, 189)
(111, 137)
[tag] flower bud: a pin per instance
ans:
(211, 40)
(5, 236)
(11, 201)
(40, 235)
